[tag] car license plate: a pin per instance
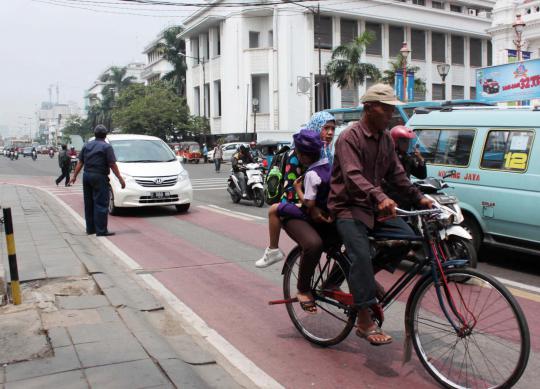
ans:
(160, 195)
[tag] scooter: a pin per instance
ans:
(254, 185)
(51, 153)
(456, 239)
(73, 162)
(34, 155)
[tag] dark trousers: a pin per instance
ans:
(354, 235)
(65, 174)
(217, 163)
(96, 202)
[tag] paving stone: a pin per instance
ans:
(71, 379)
(67, 318)
(181, 374)
(132, 375)
(103, 280)
(59, 337)
(88, 333)
(108, 314)
(82, 302)
(110, 351)
(64, 359)
(190, 351)
(64, 271)
(116, 297)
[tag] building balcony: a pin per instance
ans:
(149, 72)
(258, 60)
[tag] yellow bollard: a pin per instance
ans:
(13, 270)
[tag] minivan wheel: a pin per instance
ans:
(181, 208)
(472, 227)
(112, 209)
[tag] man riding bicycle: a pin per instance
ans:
(364, 157)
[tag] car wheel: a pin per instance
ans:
(181, 208)
(113, 210)
(472, 227)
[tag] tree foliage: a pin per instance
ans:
(172, 48)
(152, 110)
(389, 75)
(345, 68)
(77, 126)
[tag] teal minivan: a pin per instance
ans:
(496, 160)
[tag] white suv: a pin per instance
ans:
(228, 150)
(153, 174)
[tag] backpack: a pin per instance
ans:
(274, 178)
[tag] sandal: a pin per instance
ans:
(309, 307)
(377, 331)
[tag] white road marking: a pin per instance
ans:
(226, 213)
(520, 285)
(220, 344)
(217, 208)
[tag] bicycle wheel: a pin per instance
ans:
(493, 353)
(333, 320)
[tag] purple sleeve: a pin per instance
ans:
(311, 185)
(111, 158)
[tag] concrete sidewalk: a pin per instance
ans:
(85, 321)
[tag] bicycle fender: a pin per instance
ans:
(258, 185)
(456, 231)
(294, 252)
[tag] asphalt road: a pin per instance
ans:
(205, 259)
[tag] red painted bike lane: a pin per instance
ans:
(233, 301)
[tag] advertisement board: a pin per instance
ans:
(511, 82)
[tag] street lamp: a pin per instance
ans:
(255, 108)
(405, 51)
(443, 70)
(202, 61)
(519, 26)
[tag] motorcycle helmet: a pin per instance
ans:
(402, 132)
(308, 141)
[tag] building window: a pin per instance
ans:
(218, 35)
(446, 147)
(323, 32)
(472, 92)
(455, 8)
(260, 90)
(270, 38)
(322, 82)
(418, 44)
(420, 95)
(195, 51)
(437, 4)
(197, 101)
(458, 92)
(207, 100)
(419, 2)
(349, 30)
(475, 52)
(206, 41)
(253, 39)
(216, 42)
(489, 53)
(507, 150)
(437, 91)
(395, 40)
(375, 47)
(217, 98)
(457, 43)
(438, 47)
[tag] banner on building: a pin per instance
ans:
(410, 86)
(511, 82)
(513, 55)
(398, 84)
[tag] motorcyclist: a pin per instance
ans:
(239, 159)
(72, 152)
(34, 153)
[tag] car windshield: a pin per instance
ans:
(142, 150)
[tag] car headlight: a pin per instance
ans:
(184, 175)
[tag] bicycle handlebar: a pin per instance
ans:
(420, 212)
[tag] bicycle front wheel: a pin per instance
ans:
(333, 320)
(494, 349)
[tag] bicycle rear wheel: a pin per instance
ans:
(493, 353)
(333, 320)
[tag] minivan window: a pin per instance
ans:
(507, 150)
(446, 147)
(142, 150)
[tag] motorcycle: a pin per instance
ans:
(34, 155)
(15, 155)
(254, 185)
(456, 240)
(51, 153)
(73, 162)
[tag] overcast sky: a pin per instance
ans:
(44, 42)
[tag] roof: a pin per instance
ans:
(131, 137)
(478, 117)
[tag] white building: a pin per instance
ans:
(156, 66)
(503, 34)
(93, 94)
(52, 118)
(261, 52)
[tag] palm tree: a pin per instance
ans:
(173, 48)
(389, 75)
(345, 68)
(116, 80)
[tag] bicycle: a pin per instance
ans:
(465, 326)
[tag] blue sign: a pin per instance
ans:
(511, 82)
(398, 84)
(410, 86)
(513, 57)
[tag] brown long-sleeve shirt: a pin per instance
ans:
(361, 161)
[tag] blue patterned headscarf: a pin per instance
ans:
(316, 123)
(319, 119)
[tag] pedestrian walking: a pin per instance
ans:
(98, 159)
(218, 156)
(63, 163)
(205, 152)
